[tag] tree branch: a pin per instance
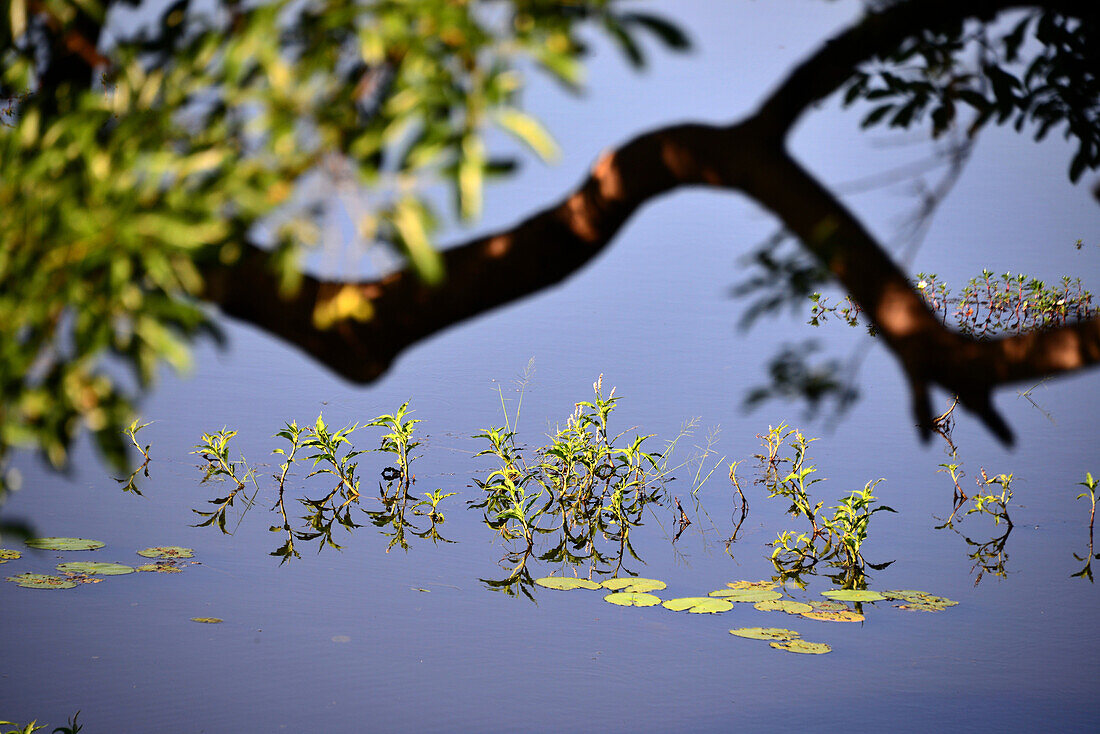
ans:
(749, 157)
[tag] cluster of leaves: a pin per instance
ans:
(580, 489)
(837, 538)
(133, 164)
(1041, 73)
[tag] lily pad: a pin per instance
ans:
(158, 568)
(845, 616)
(65, 544)
(9, 555)
(698, 605)
(207, 620)
(853, 595)
(747, 595)
(765, 633)
(918, 597)
(752, 584)
(95, 567)
(565, 583)
(632, 599)
(41, 581)
(790, 606)
(829, 606)
(636, 585)
(166, 551)
(803, 647)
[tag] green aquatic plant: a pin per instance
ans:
(566, 583)
(837, 538)
(587, 484)
(698, 605)
(399, 440)
(841, 615)
(207, 620)
(6, 554)
(860, 595)
(130, 483)
(1090, 485)
(89, 568)
(65, 544)
(633, 584)
(747, 595)
(293, 434)
(803, 647)
(789, 606)
(765, 633)
(41, 581)
(632, 599)
(431, 502)
(214, 449)
(72, 728)
(166, 551)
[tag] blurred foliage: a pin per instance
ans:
(138, 149)
(1041, 71)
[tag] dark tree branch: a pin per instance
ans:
(749, 157)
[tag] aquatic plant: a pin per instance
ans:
(399, 441)
(65, 544)
(837, 538)
(72, 728)
(214, 449)
(130, 483)
(583, 485)
(1090, 485)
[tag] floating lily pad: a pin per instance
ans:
(632, 599)
(845, 616)
(207, 620)
(65, 544)
(919, 607)
(829, 606)
(698, 605)
(853, 595)
(747, 595)
(790, 606)
(9, 555)
(166, 551)
(803, 647)
(920, 598)
(95, 567)
(158, 568)
(636, 585)
(752, 584)
(765, 633)
(565, 583)
(41, 581)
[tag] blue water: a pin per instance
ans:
(369, 640)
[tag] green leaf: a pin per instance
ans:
(698, 605)
(765, 633)
(207, 620)
(166, 551)
(411, 221)
(638, 585)
(803, 647)
(853, 595)
(566, 583)
(632, 599)
(790, 606)
(747, 595)
(64, 544)
(528, 131)
(95, 567)
(41, 581)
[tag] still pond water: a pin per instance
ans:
(377, 639)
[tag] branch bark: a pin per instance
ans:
(749, 157)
